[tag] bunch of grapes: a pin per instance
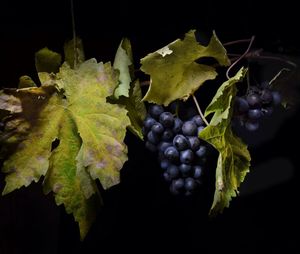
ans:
(182, 155)
(259, 101)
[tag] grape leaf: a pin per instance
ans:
(123, 60)
(286, 82)
(234, 158)
(73, 110)
(174, 72)
(47, 60)
(74, 53)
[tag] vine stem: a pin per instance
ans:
(199, 110)
(236, 42)
(241, 57)
(74, 33)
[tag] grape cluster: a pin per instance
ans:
(259, 101)
(182, 155)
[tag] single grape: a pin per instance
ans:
(266, 96)
(173, 190)
(267, 111)
(251, 125)
(167, 135)
(198, 120)
(173, 171)
(177, 125)
(155, 111)
(166, 119)
(194, 143)
(190, 184)
(167, 177)
(152, 137)
(157, 128)
(181, 142)
(254, 100)
(198, 171)
(186, 156)
(254, 114)
(241, 104)
(171, 153)
(189, 128)
(201, 151)
(178, 183)
(185, 168)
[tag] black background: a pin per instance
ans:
(139, 213)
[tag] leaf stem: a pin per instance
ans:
(199, 110)
(241, 57)
(236, 42)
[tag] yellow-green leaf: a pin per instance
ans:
(234, 157)
(26, 81)
(174, 72)
(123, 61)
(64, 176)
(70, 107)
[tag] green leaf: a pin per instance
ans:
(123, 61)
(234, 157)
(174, 72)
(47, 60)
(286, 82)
(74, 53)
(90, 133)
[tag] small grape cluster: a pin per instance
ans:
(182, 155)
(259, 101)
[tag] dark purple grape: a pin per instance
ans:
(167, 135)
(189, 128)
(152, 137)
(254, 100)
(241, 105)
(178, 183)
(181, 142)
(254, 114)
(173, 171)
(166, 119)
(251, 125)
(198, 171)
(198, 120)
(190, 184)
(164, 164)
(155, 111)
(266, 96)
(149, 122)
(186, 156)
(157, 128)
(185, 168)
(276, 97)
(171, 153)
(194, 143)
(177, 125)
(201, 151)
